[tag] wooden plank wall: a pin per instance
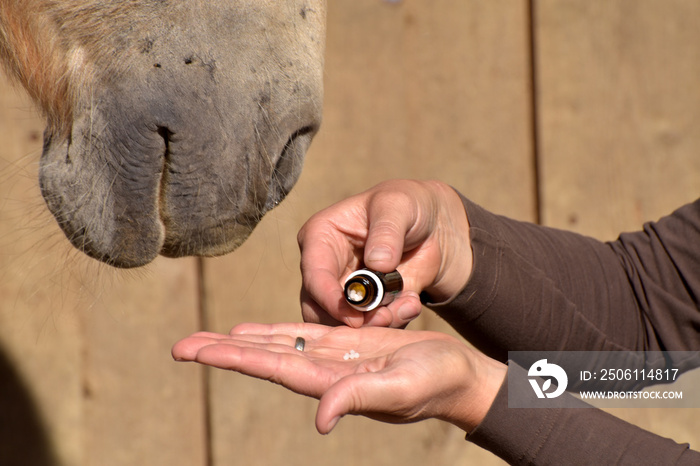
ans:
(414, 89)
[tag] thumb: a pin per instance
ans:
(389, 220)
(354, 394)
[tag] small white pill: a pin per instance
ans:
(355, 296)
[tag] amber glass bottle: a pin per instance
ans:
(367, 289)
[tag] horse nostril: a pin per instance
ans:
(300, 139)
(289, 164)
(310, 129)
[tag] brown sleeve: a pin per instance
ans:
(571, 436)
(540, 289)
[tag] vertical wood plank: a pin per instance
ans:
(140, 406)
(87, 376)
(416, 90)
(41, 407)
(619, 106)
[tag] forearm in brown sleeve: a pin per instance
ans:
(535, 288)
(557, 436)
(538, 288)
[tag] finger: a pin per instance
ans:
(313, 313)
(399, 313)
(325, 255)
(295, 329)
(252, 335)
(292, 370)
(323, 301)
(187, 348)
(321, 272)
(390, 217)
(269, 340)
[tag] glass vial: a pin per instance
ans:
(367, 289)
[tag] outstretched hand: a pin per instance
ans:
(400, 376)
(417, 227)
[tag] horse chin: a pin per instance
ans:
(235, 237)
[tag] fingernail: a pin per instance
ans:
(332, 424)
(380, 253)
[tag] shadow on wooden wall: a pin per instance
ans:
(24, 439)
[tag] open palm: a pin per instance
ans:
(399, 376)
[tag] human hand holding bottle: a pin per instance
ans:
(417, 227)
